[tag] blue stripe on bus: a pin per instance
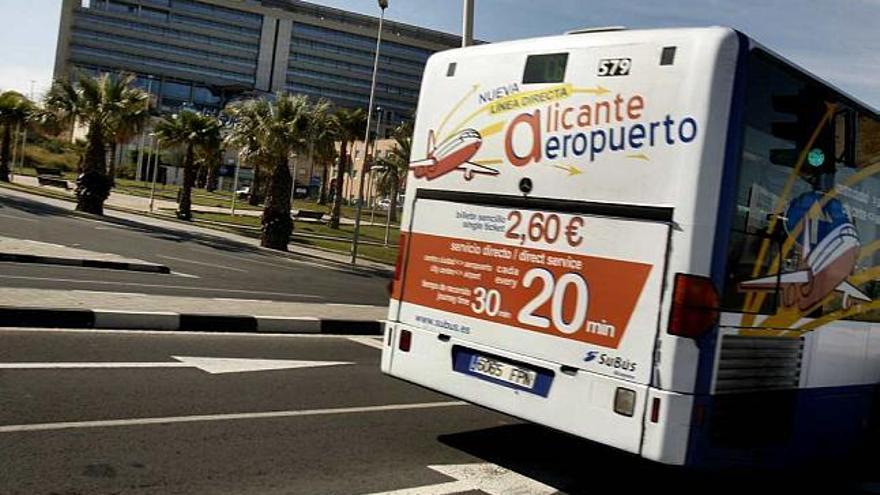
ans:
(726, 205)
(824, 423)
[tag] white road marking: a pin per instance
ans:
(232, 299)
(185, 275)
(224, 417)
(214, 366)
(23, 219)
(211, 265)
(241, 258)
(353, 305)
(375, 342)
(178, 287)
(165, 333)
(486, 477)
(104, 292)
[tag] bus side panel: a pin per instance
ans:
(753, 419)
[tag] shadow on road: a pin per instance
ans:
(578, 466)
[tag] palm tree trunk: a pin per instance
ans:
(213, 169)
(340, 176)
(92, 186)
(5, 151)
(254, 195)
(201, 175)
(111, 170)
(277, 224)
(325, 178)
(184, 206)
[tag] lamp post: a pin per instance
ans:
(383, 4)
(235, 181)
(467, 24)
(155, 173)
(140, 158)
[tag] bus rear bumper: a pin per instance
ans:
(578, 402)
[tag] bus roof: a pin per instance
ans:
(614, 36)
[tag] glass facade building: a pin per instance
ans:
(202, 53)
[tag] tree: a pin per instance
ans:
(193, 131)
(394, 166)
(95, 102)
(324, 132)
(274, 131)
(15, 112)
(130, 117)
(211, 156)
(246, 118)
(351, 125)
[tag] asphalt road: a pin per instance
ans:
(159, 425)
(202, 266)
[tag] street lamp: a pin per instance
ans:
(467, 24)
(383, 4)
(140, 158)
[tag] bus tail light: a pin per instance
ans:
(405, 342)
(694, 306)
(398, 265)
(655, 410)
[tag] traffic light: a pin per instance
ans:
(810, 114)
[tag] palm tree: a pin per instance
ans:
(130, 118)
(351, 125)
(192, 131)
(394, 166)
(212, 155)
(284, 130)
(246, 118)
(324, 132)
(15, 111)
(95, 102)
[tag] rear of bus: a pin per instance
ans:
(558, 230)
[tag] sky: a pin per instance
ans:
(839, 40)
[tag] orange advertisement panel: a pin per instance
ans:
(583, 298)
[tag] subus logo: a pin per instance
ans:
(615, 362)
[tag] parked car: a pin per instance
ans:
(243, 192)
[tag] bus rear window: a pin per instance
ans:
(548, 68)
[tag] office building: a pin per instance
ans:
(204, 53)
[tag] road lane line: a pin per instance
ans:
(104, 293)
(211, 265)
(19, 218)
(375, 342)
(224, 417)
(161, 286)
(184, 275)
(246, 260)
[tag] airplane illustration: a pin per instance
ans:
(452, 154)
(824, 266)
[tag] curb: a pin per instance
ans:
(144, 320)
(86, 263)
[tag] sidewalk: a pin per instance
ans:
(115, 213)
(89, 309)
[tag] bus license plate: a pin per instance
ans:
(499, 370)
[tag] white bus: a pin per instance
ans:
(665, 241)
